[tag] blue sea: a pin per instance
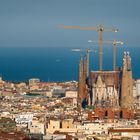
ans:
(57, 64)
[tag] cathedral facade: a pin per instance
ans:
(106, 89)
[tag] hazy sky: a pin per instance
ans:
(35, 22)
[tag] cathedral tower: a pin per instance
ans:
(83, 93)
(80, 83)
(127, 83)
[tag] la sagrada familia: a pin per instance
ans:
(110, 92)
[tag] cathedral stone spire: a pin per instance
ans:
(99, 80)
(85, 67)
(127, 83)
(80, 83)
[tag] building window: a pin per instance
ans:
(60, 124)
(108, 97)
(106, 113)
(121, 114)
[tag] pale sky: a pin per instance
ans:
(35, 22)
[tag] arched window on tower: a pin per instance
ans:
(121, 114)
(107, 97)
(106, 113)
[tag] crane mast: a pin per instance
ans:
(114, 58)
(115, 43)
(101, 47)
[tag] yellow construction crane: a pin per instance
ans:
(114, 43)
(100, 29)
